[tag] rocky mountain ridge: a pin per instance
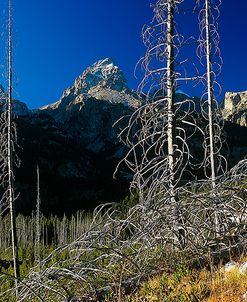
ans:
(76, 146)
(103, 81)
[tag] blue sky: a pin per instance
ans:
(55, 40)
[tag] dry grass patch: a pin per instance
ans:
(227, 286)
(188, 285)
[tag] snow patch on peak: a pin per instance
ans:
(103, 68)
(104, 73)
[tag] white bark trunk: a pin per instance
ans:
(38, 256)
(210, 93)
(10, 154)
(170, 96)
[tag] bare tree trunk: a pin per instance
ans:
(170, 95)
(10, 142)
(210, 92)
(37, 241)
(170, 86)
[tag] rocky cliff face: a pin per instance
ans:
(235, 108)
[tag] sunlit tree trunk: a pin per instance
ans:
(210, 92)
(170, 95)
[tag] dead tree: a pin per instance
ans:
(158, 133)
(8, 157)
(210, 92)
(38, 231)
(170, 95)
(210, 57)
(10, 148)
